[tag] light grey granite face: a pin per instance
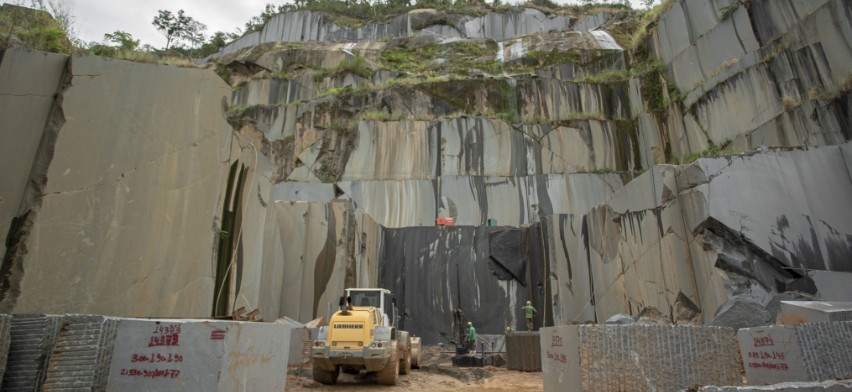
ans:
(125, 191)
(26, 103)
(171, 355)
(304, 26)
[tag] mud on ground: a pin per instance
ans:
(436, 373)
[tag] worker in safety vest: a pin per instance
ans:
(529, 312)
(471, 336)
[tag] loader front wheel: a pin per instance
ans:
(390, 374)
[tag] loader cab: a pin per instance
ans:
(380, 299)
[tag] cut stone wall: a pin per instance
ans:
(637, 357)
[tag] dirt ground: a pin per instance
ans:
(436, 373)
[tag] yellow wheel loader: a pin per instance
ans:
(363, 334)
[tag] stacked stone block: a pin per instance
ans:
(173, 355)
(637, 357)
(81, 356)
(523, 351)
(97, 353)
(801, 352)
(5, 328)
(31, 343)
(799, 312)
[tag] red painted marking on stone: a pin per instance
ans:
(151, 373)
(218, 334)
(556, 341)
(764, 341)
(557, 357)
(165, 340)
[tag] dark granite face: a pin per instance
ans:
(488, 272)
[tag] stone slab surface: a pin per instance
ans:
(799, 312)
(176, 355)
(826, 386)
(802, 352)
(637, 357)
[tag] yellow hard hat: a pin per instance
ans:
(529, 302)
(469, 323)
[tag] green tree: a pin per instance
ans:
(124, 40)
(179, 26)
(217, 41)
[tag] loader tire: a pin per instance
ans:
(390, 374)
(405, 363)
(415, 353)
(325, 376)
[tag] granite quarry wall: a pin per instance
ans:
(150, 190)
(123, 179)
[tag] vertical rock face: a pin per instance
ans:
(122, 208)
(31, 101)
(304, 26)
(464, 270)
(772, 73)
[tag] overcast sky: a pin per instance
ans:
(94, 18)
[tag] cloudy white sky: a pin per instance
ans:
(94, 18)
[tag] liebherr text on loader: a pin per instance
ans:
(363, 334)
